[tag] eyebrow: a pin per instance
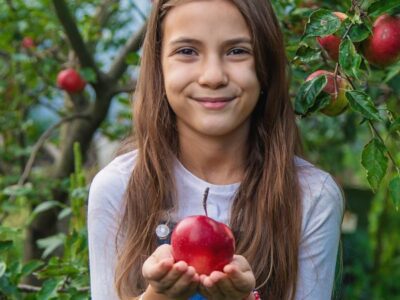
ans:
(233, 41)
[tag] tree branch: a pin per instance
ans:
(133, 44)
(129, 88)
(40, 142)
(74, 37)
(104, 12)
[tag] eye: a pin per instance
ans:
(238, 51)
(186, 51)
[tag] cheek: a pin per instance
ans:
(246, 77)
(176, 78)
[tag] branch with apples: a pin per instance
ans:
(359, 43)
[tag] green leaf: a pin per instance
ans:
(61, 269)
(5, 245)
(322, 100)
(359, 32)
(10, 231)
(51, 243)
(375, 162)
(394, 189)
(30, 267)
(349, 59)
(3, 268)
(19, 191)
(88, 74)
(45, 206)
(48, 290)
(308, 93)
(132, 59)
(64, 213)
(307, 54)
(381, 6)
(9, 289)
(362, 103)
(395, 126)
(322, 22)
(392, 71)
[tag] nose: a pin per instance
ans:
(213, 73)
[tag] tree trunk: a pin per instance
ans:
(81, 131)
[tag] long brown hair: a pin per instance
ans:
(268, 202)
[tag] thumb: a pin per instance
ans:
(164, 252)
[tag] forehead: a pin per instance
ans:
(214, 19)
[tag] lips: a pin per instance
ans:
(214, 103)
(213, 99)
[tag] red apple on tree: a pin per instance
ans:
(331, 43)
(338, 101)
(309, 4)
(70, 81)
(382, 48)
(203, 243)
(28, 43)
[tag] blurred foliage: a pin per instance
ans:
(359, 147)
(63, 277)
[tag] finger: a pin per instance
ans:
(185, 284)
(213, 279)
(210, 283)
(243, 281)
(159, 263)
(163, 251)
(177, 270)
(154, 269)
(241, 262)
(226, 287)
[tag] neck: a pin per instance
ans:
(217, 160)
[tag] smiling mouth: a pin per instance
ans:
(213, 99)
(214, 103)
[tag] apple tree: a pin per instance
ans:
(62, 66)
(344, 62)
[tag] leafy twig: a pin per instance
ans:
(377, 134)
(26, 288)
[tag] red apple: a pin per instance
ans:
(28, 43)
(70, 81)
(382, 48)
(203, 243)
(331, 43)
(309, 4)
(338, 102)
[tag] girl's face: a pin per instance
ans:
(209, 70)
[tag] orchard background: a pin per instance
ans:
(56, 134)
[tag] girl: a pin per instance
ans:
(212, 110)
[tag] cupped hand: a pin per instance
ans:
(235, 282)
(176, 280)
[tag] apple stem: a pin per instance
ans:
(205, 196)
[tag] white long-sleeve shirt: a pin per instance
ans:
(320, 231)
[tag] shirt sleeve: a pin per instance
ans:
(105, 198)
(322, 218)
